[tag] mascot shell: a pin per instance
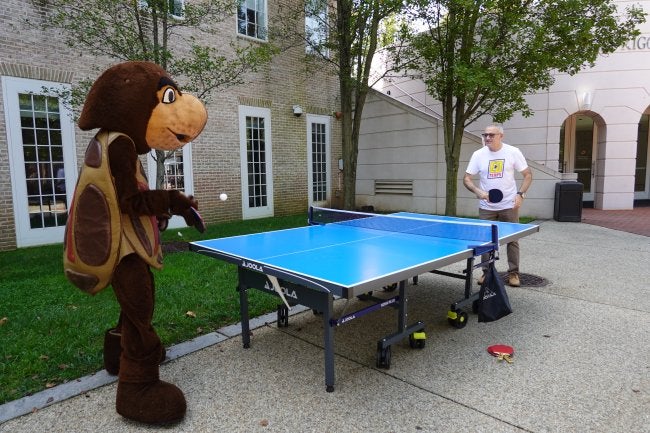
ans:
(99, 235)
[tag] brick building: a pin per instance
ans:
(41, 147)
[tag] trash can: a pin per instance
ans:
(568, 201)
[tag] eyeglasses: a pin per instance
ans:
(489, 134)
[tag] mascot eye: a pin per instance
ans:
(169, 96)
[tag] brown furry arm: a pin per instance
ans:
(139, 201)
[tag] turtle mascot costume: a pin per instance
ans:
(112, 235)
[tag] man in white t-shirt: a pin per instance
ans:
(495, 164)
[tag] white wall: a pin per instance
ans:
(399, 142)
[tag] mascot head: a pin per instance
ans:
(141, 100)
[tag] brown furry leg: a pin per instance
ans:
(113, 350)
(141, 395)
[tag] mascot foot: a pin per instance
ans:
(113, 350)
(151, 403)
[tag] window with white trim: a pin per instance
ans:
(256, 161)
(316, 29)
(251, 19)
(176, 8)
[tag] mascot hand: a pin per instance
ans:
(179, 203)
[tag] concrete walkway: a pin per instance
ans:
(581, 363)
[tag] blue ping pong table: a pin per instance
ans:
(343, 254)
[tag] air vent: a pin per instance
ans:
(395, 187)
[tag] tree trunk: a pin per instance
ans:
(160, 169)
(453, 136)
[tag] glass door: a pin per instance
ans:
(256, 162)
(578, 151)
(41, 159)
(641, 174)
(318, 159)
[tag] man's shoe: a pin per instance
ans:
(513, 280)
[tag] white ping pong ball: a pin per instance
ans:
(223, 196)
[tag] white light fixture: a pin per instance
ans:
(297, 110)
(585, 101)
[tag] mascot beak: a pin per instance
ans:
(178, 119)
(194, 119)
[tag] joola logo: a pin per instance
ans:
(388, 302)
(488, 294)
(290, 293)
(251, 265)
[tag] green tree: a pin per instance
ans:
(481, 57)
(344, 35)
(160, 31)
(356, 40)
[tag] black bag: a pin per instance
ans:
(493, 302)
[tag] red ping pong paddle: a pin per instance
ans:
(502, 352)
(199, 224)
(495, 195)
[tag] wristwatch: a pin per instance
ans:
(522, 194)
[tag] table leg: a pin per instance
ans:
(243, 314)
(403, 307)
(328, 337)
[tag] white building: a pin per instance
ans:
(592, 126)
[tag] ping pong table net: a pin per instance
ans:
(475, 232)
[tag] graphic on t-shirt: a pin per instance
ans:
(495, 168)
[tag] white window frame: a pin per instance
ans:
(326, 120)
(261, 8)
(259, 211)
(178, 5)
(316, 30)
(188, 180)
(11, 87)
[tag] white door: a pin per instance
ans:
(256, 165)
(178, 175)
(318, 159)
(42, 162)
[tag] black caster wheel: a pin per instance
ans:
(457, 319)
(417, 340)
(390, 287)
(383, 358)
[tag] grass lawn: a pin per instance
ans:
(51, 332)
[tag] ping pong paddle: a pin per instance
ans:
(495, 195)
(199, 224)
(502, 352)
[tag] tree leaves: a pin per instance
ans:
(482, 57)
